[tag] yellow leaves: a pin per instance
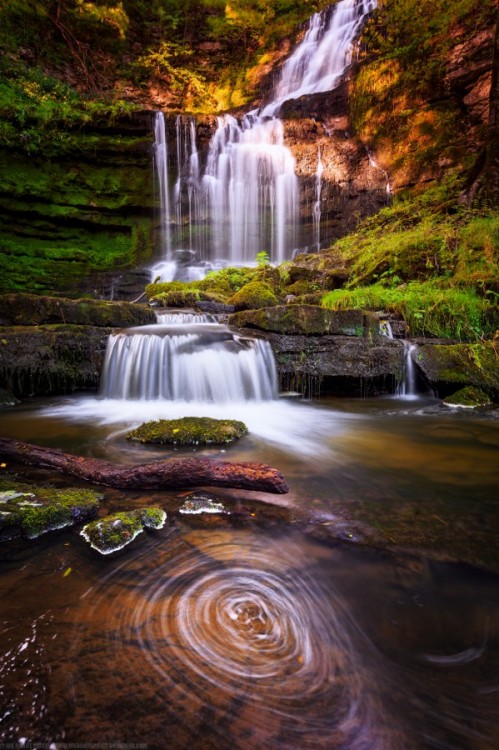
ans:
(115, 16)
(67, 572)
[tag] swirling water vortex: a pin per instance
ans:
(240, 632)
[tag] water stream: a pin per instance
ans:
(333, 618)
(247, 199)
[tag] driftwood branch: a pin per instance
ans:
(172, 473)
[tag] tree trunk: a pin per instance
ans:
(172, 473)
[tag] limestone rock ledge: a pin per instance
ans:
(42, 360)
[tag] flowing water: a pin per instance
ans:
(247, 198)
(281, 624)
(246, 632)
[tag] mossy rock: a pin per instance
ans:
(31, 511)
(310, 320)
(30, 309)
(461, 364)
(300, 287)
(468, 398)
(118, 530)
(189, 431)
(253, 296)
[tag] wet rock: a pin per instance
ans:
(38, 360)
(198, 503)
(446, 367)
(189, 431)
(118, 530)
(468, 398)
(30, 511)
(7, 398)
(309, 320)
(32, 310)
(337, 365)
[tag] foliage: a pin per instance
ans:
(398, 102)
(428, 308)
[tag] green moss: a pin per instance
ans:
(116, 531)
(29, 310)
(113, 532)
(308, 320)
(254, 295)
(189, 431)
(468, 398)
(462, 364)
(38, 510)
(152, 518)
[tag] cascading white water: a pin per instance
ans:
(247, 200)
(185, 318)
(407, 388)
(251, 189)
(161, 158)
(317, 205)
(205, 364)
(320, 60)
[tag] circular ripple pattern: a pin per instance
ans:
(243, 633)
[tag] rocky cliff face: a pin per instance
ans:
(84, 209)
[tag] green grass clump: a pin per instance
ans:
(428, 309)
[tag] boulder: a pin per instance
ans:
(32, 310)
(308, 320)
(468, 398)
(254, 295)
(448, 366)
(30, 511)
(118, 530)
(189, 431)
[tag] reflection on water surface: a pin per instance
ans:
(251, 638)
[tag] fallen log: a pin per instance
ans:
(172, 473)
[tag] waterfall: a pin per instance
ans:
(161, 158)
(317, 205)
(252, 190)
(318, 63)
(408, 387)
(247, 199)
(203, 364)
(185, 318)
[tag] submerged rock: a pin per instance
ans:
(189, 431)
(468, 398)
(31, 511)
(198, 503)
(118, 530)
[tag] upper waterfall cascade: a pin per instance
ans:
(246, 200)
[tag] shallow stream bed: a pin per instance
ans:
(288, 625)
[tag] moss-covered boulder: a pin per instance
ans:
(189, 431)
(32, 310)
(254, 295)
(118, 530)
(468, 398)
(308, 320)
(29, 511)
(446, 367)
